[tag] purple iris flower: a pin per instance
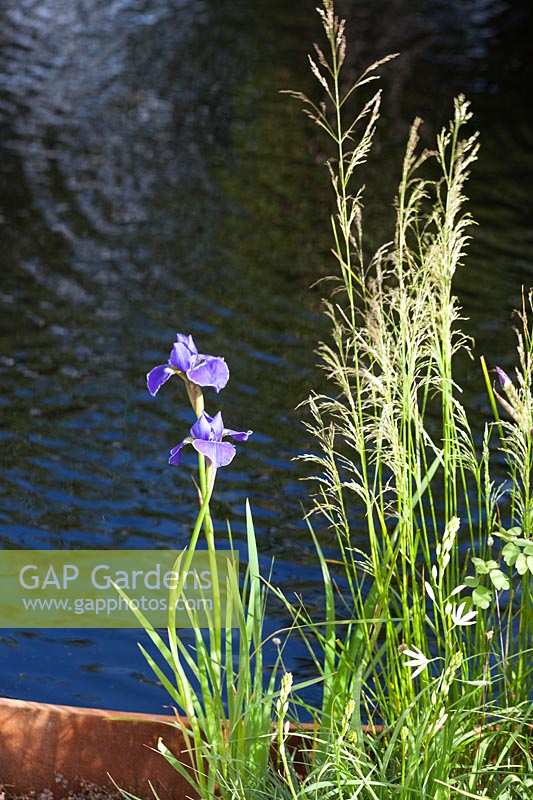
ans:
(186, 361)
(503, 377)
(206, 437)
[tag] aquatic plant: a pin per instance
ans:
(218, 683)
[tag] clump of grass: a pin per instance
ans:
(401, 480)
(449, 759)
(218, 684)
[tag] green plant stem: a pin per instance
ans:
(196, 398)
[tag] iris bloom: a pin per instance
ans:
(186, 362)
(513, 404)
(504, 379)
(206, 437)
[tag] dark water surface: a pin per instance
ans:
(153, 180)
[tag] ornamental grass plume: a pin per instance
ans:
(400, 477)
(390, 366)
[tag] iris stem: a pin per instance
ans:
(206, 490)
(196, 398)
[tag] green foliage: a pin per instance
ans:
(424, 490)
(426, 673)
(227, 746)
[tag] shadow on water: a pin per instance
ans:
(153, 180)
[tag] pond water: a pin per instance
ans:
(153, 180)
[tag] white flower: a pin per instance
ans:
(429, 590)
(417, 660)
(458, 590)
(460, 618)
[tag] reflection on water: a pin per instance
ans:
(154, 180)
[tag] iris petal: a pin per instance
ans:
(220, 454)
(202, 427)
(217, 426)
(180, 357)
(188, 341)
(239, 436)
(157, 377)
(175, 453)
(209, 371)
